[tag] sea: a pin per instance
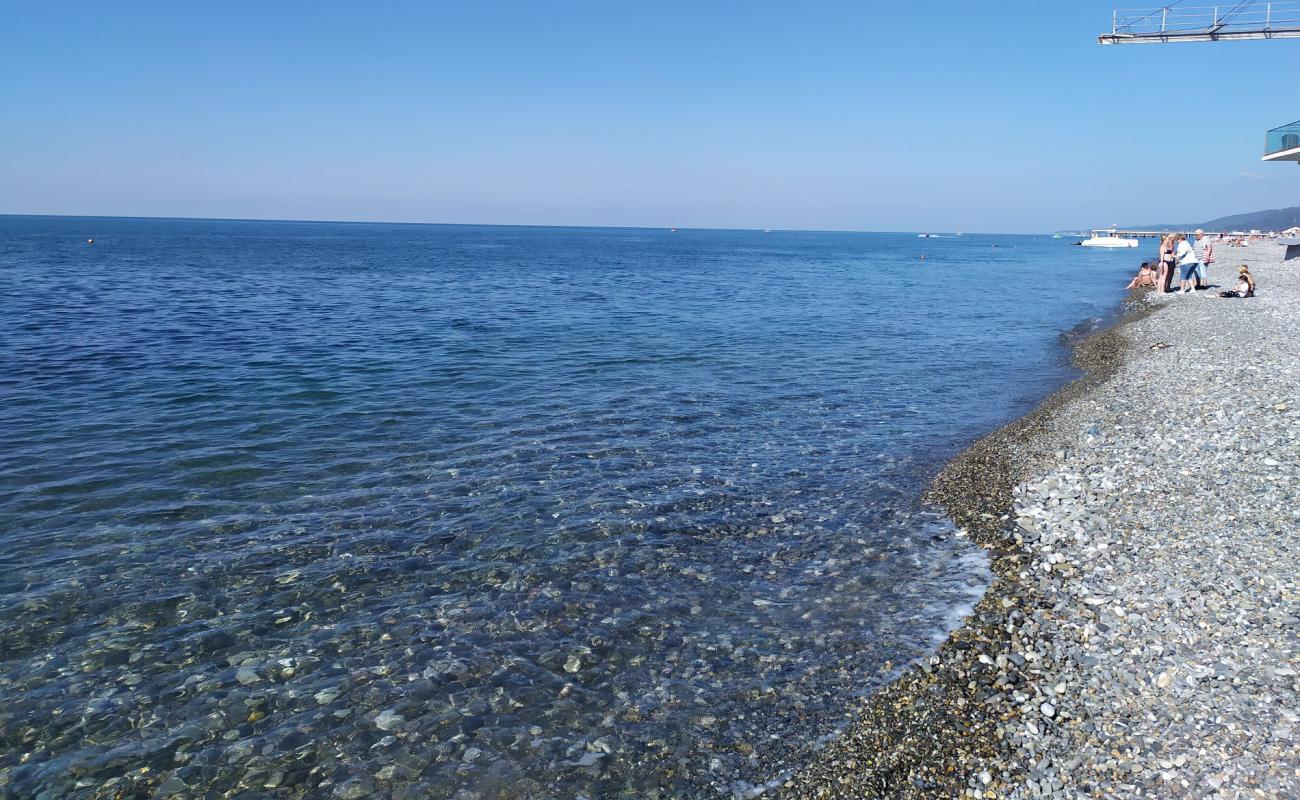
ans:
(295, 509)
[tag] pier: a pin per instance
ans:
(1178, 23)
(1137, 234)
(1150, 234)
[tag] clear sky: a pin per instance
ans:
(999, 116)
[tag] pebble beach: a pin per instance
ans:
(1139, 639)
(1124, 597)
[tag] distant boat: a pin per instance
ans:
(925, 236)
(1056, 236)
(672, 230)
(1108, 238)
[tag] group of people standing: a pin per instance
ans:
(1177, 252)
(1191, 259)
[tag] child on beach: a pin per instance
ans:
(1245, 284)
(1146, 277)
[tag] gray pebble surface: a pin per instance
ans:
(1172, 522)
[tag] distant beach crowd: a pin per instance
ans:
(1190, 260)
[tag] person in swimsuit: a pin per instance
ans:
(1146, 277)
(1166, 264)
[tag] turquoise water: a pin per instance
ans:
(298, 509)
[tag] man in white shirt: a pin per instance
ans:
(1186, 255)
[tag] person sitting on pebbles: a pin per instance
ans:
(1245, 284)
(1146, 276)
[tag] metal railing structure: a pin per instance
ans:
(1283, 140)
(1179, 23)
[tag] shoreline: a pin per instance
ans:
(1024, 699)
(925, 733)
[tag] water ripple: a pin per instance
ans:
(536, 512)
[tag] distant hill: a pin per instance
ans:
(1274, 219)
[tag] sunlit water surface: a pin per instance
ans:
(340, 510)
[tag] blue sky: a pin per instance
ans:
(857, 116)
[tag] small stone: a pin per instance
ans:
(354, 789)
(388, 720)
(572, 664)
(247, 675)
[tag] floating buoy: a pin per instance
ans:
(90, 241)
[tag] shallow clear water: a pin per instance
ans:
(313, 509)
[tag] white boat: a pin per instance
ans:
(925, 236)
(1108, 238)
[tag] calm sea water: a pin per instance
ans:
(331, 510)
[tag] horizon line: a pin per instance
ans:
(502, 224)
